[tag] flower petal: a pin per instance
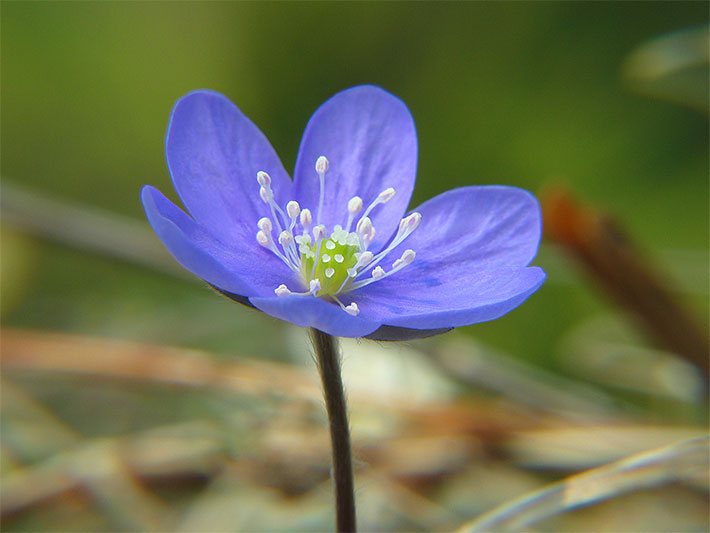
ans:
(456, 297)
(214, 153)
(245, 268)
(311, 312)
(483, 227)
(369, 138)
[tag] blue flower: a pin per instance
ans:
(334, 250)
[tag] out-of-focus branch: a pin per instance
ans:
(88, 229)
(630, 278)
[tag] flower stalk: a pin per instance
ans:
(326, 349)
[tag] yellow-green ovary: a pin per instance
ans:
(329, 251)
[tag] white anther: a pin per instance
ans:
(282, 290)
(266, 194)
(314, 286)
(263, 178)
(265, 225)
(293, 209)
(352, 272)
(352, 309)
(378, 272)
(407, 257)
(262, 238)
(364, 226)
(368, 237)
(319, 232)
(410, 223)
(322, 165)
(338, 258)
(306, 219)
(330, 245)
(329, 272)
(365, 258)
(355, 205)
(325, 258)
(386, 195)
(285, 238)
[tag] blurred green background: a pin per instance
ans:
(524, 94)
(521, 93)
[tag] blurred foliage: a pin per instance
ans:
(521, 94)
(527, 94)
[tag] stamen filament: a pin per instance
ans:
(354, 207)
(406, 226)
(322, 165)
(351, 309)
(405, 260)
(267, 242)
(382, 198)
(345, 256)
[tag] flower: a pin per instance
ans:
(333, 250)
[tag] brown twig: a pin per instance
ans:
(607, 252)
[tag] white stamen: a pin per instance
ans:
(262, 238)
(352, 309)
(319, 232)
(306, 219)
(368, 237)
(265, 240)
(354, 205)
(265, 225)
(263, 178)
(382, 198)
(322, 165)
(266, 194)
(386, 195)
(293, 209)
(408, 256)
(294, 246)
(282, 290)
(364, 226)
(410, 223)
(318, 235)
(364, 259)
(303, 240)
(285, 238)
(406, 226)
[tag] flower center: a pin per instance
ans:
(329, 261)
(333, 265)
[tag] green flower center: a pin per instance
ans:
(336, 257)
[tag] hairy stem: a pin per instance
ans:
(329, 366)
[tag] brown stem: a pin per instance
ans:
(329, 366)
